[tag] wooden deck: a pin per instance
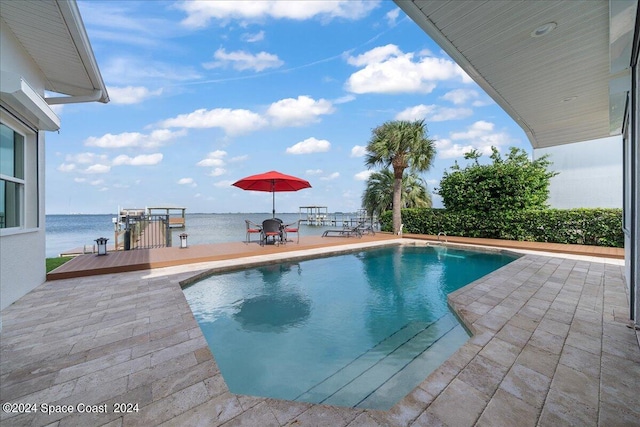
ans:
(143, 259)
(584, 250)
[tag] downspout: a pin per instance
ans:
(95, 96)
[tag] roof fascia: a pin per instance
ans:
(71, 15)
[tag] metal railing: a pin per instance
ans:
(143, 232)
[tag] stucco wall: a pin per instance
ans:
(590, 174)
(22, 259)
(22, 251)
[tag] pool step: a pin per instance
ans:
(357, 382)
(402, 382)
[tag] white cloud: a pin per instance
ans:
(363, 176)
(214, 158)
(448, 150)
(187, 181)
(433, 113)
(223, 184)
(344, 99)
(480, 136)
(124, 71)
(417, 112)
(252, 38)
(233, 122)
(131, 94)
(461, 96)
(310, 145)
(358, 151)
(389, 70)
(217, 172)
(200, 13)
(239, 158)
(477, 130)
(444, 113)
(118, 22)
(141, 160)
(97, 168)
(241, 60)
(330, 177)
(86, 158)
(392, 17)
(375, 55)
(313, 171)
(66, 167)
(135, 139)
(96, 182)
(299, 111)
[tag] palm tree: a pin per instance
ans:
(378, 195)
(400, 144)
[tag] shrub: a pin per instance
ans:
(596, 227)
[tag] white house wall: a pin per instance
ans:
(16, 60)
(22, 251)
(590, 174)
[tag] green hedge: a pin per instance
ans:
(597, 227)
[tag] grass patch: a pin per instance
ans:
(53, 263)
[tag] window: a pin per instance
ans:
(12, 179)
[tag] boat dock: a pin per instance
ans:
(147, 228)
(319, 216)
(176, 215)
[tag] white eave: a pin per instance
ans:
(567, 86)
(53, 34)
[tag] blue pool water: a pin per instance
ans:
(361, 329)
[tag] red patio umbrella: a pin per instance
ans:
(272, 182)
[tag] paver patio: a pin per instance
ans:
(550, 347)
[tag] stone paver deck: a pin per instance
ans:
(550, 348)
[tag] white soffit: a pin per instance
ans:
(54, 36)
(556, 87)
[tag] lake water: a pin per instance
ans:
(66, 232)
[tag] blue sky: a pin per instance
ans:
(205, 93)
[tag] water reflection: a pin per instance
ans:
(404, 289)
(280, 308)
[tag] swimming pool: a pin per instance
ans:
(360, 329)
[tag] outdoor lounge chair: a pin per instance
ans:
(294, 227)
(271, 228)
(347, 231)
(252, 228)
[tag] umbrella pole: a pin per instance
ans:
(273, 197)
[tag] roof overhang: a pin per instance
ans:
(565, 86)
(53, 35)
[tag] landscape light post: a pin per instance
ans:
(102, 245)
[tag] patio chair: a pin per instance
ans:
(271, 228)
(346, 231)
(294, 227)
(252, 228)
(366, 228)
